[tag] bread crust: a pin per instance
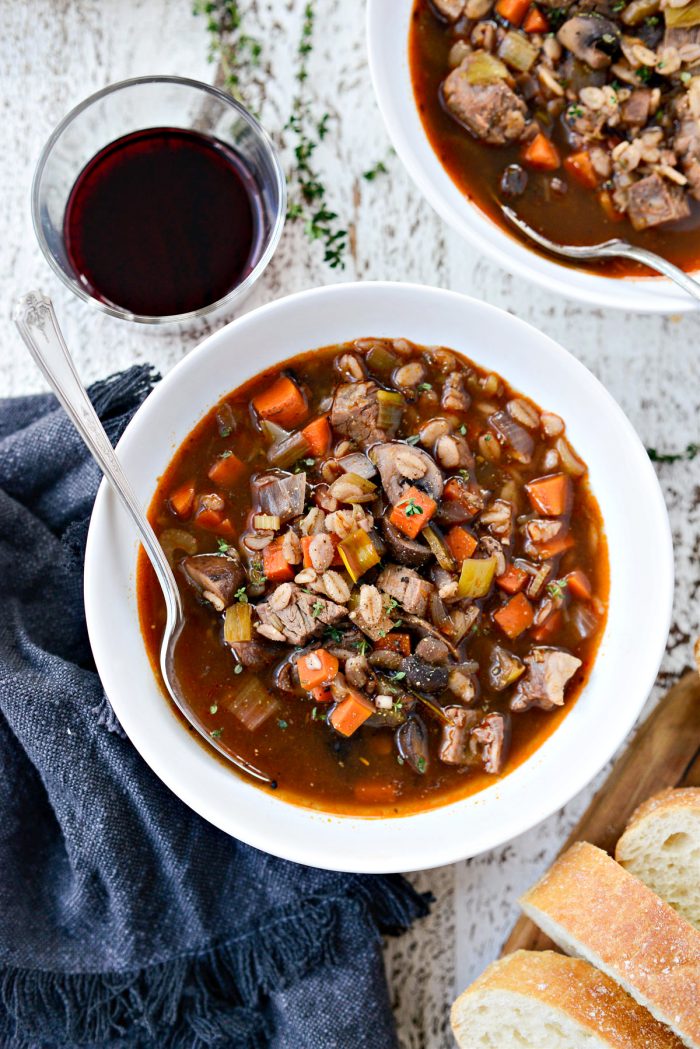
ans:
(670, 800)
(618, 921)
(572, 986)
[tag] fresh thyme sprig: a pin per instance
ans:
(307, 193)
(235, 51)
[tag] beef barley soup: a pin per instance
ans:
(582, 115)
(394, 574)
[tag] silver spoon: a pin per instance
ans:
(609, 249)
(36, 320)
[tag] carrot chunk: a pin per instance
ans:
(395, 642)
(541, 154)
(460, 543)
(351, 713)
(512, 10)
(546, 631)
(182, 499)
(316, 668)
(275, 566)
(322, 693)
(536, 21)
(456, 491)
(318, 436)
(515, 616)
(413, 512)
(550, 495)
(512, 580)
(227, 470)
(283, 403)
(580, 167)
(556, 546)
(209, 519)
(579, 585)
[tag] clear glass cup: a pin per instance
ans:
(134, 105)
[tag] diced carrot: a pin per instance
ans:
(322, 693)
(460, 543)
(546, 631)
(318, 436)
(210, 519)
(275, 566)
(556, 546)
(579, 585)
(413, 512)
(541, 154)
(351, 713)
(227, 470)
(395, 642)
(375, 793)
(317, 667)
(550, 495)
(606, 203)
(580, 167)
(536, 21)
(306, 543)
(512, 10)
(456, 491)
(515, 616)
(512, 580)
(283, 403)
(182, 499)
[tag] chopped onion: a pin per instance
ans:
(357, 463)
(583, 620)
(253, 704)
(275, 434)
(238, 623)
(288, 451)
(174, 540)
(358, 554)
(515, 436)
(437, 544)
(281, 497)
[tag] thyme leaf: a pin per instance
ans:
(236, 51)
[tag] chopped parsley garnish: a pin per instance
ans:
(222, 545)
(399, 759)
(463, 430)
(399, 675)
(213, 708)
(421, 765)
(574, 111)
(216, 733)
(309, 462)
(241, 595)
(464, 474)
(362, 646)
(652, 20)
(424, 386)
(226, 455)
(412, 508)
(317, 608)
(673, 457)
(282, 724)
(685, 78)
(238, 669)
(334, 634)
(413, 439)
(557, 587)
(391, 604)
(397, 707)
(645, 73)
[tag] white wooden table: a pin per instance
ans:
(55, 52)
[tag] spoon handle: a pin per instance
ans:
(662, 265)
(36, 321)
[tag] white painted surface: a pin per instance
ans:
(52, 54)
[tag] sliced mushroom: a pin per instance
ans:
(591, 38)
(426, 629)
(432, 650)
(406, 551)
(402, 466)
(412, 744)
(504, 668)
(424, 677)
(216, 576)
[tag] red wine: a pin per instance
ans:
(163, 221)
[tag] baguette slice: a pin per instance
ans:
(661, 847)
(542, 1000)
(591, 907)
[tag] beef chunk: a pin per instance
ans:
(303, 618)
(492, 739)
(687, 145)
(216, 576)
(355, 413)
(653, 201)
(549, 671)
(256, 654)
(454, 745)
(406, 587)
(492, 112)
(635, 111)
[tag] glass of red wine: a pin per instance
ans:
(161, 200)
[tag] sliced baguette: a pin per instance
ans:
(591, 907)
(661, 847)
(542, 1000)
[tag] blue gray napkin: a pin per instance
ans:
(126, 921)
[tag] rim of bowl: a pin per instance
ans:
(513, 821)
(272, 241)
(402, 121)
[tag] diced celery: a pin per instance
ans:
(391, 406)
(517, 51)
(476, 577)
(484, 68)
(238, 623)
(266, 521)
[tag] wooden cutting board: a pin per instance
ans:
(665, 752)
